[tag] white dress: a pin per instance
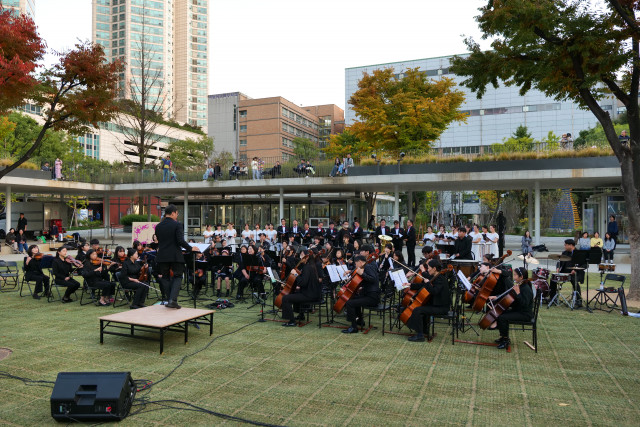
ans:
(246, 234)
(429, 237)
(476, 238)
(207, 236)
(231, 238)
(271, 237)
(493, 245)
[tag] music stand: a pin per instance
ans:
(255, 261)
(594, 257)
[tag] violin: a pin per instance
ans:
(71, 260)
(101, 252)
(421, 298)
(501, 304)
(99, 261)
(354, 283)
(38, 256)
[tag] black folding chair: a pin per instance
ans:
(9, 274)
(530, 325)
(602, 299)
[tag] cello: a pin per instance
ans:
(348, 290)
(503, 302)
(478, 283)
(418, 278)
(289, 287)
(421, 298)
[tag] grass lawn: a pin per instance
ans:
(585, 371)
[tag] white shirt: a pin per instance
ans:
(207, 236)
(231, 237)
(429, 237)
(255, 235)
(245, 234)
(494, 243)
(271, 235)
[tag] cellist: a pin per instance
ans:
(307, 288)
(439, 301)
(520, 309)
(369, 293)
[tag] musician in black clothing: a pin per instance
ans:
(576, 276)
(295, 232)
(368, 295)
(381, 230)
(199, 277)
(305, 235)
(356, 233)
(307, 288)
(96, 276)
(62, 272)
(385, 261)
(410, 240)
(129, 278)
(33, 272)
(246, 277)
(222, 272)
(283, 232)
(318, 232)
(521, 309)
(170, 239)
(439, 301)
(397, 235)
(82, 251)
(344, 231)
(331, 233)
(462, 245)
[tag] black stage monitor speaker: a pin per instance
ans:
(92, 396)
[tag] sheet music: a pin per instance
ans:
(399, 279)
(333, 273)
(464, 280)
(202, 246)
(271, 276)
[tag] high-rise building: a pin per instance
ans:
(163, 46)
(27, 7)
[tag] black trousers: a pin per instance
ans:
(171, 286)
(421, 317)
(411, 254)
(256, 284)
(553, 288)
(107, 288)
(141, 292)
(355, 304)
(500, 244)
(505, 318)
(72, 285)
(608, 255)
(291, 303)
(40, 280)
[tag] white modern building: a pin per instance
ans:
(167, 39)
(496, 115)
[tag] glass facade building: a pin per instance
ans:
(493, 117)
(164, 42)
(27, 7)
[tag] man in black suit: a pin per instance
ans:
(397, 234)
(283, 232)
(381, 230)
(169, 257)
(462, 245)
(576, 275)
(305, 235)
(318, 232)
(295, 231)
(356, 233)
(344, 230)
(331, 233)
(410, 239)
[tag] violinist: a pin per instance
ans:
(347, 247)
(82, 251)
(118, 258)
(96, 276)
(95, 245)
(154, 243)
(33, 271)
(129, 278)
(62, 269)
(251, 278)
(521, 309)
(307, 287)
(199, 276)
(317, 242)
(223, 272)
(439, 301)
(368, 296)
(426, 254)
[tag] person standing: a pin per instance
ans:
(612, 228)
(382, 230)
(166, 168)
(502, 227)
(462, 245)
(410, 240)
(169, 257)
(22, 223)
(397, 235)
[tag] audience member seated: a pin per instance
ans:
(275, 170)
(234, 172)
(301, 169)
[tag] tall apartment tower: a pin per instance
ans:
(28, 7)
(168, 39)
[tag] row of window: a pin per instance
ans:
(146, 3)
(147, 38)
(147, 12)
(298, 118)
(287, 142)
(297, 132)
(430, 73)
(147, 30)
(144, 20)
(511, 110)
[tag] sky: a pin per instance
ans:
(299, 49)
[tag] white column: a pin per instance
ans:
(396, 204)
(530, 209)
(8, 208)
(281, 203)
(537, 222)
(106, 215)
(186, 214)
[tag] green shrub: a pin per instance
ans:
(131, 218)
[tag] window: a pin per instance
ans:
(243, 128)
(243, 142)
(243, 113)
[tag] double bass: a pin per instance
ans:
(421, 298)
(348, 290)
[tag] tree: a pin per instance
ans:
(190, 153)
(404, 113)
(304, 148)
(569, 50)
(75, 94)
(225, 159)
(520, 140)
(20, 49)
(341, 144)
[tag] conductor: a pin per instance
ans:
(169, 257)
